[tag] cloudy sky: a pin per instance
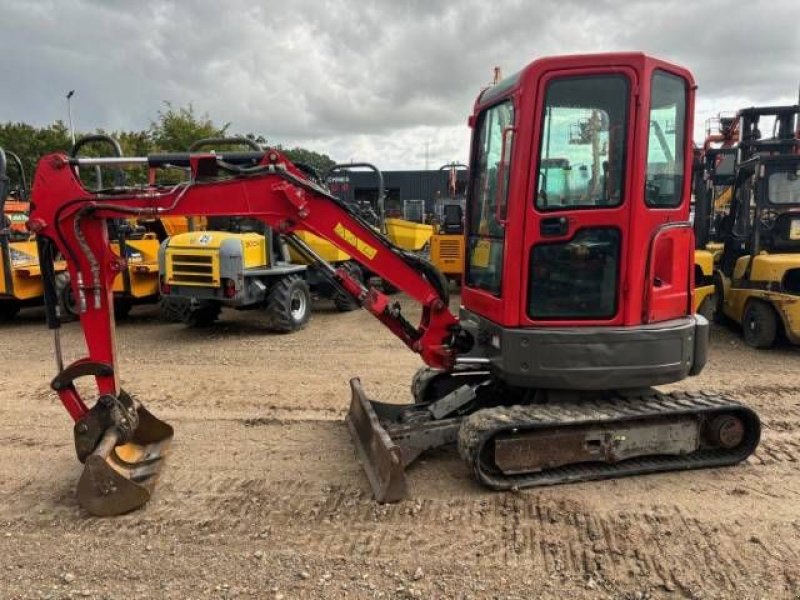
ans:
(362, 80)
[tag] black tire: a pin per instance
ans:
(122, 308)
(8, 309)
(759, 324)
(288, 304)
(172, 309)
(203, 316)
(180, 310)
(67, 305)
(719, 301)
(708, 307)
(344, 302)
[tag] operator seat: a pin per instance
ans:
(453, 219)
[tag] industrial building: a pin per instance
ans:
(404, 189)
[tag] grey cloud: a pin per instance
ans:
(382, 76)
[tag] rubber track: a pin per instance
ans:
(479, 429)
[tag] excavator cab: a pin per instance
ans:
(583, 243)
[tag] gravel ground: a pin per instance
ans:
(262, 496)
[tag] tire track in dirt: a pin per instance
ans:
(293, 445)
(660, 545)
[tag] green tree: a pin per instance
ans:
(175, 129)
(31, 143)
(319, 162)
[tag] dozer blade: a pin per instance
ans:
(120, 478)
(380, 456)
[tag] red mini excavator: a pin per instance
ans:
(577, 291)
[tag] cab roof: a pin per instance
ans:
(636, 60)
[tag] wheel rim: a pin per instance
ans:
(297, 305)
(752, 323)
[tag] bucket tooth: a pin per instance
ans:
(118, 478)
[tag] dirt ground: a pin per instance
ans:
(262, 496)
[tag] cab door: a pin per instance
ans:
(487, 231)
(575, 231)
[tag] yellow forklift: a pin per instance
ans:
(714, 176)
(758, 279)
(20, 274)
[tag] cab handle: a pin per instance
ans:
(554, 227)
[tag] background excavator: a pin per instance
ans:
(571, 311)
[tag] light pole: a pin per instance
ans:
(70, 94)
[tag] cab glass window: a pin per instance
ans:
(665, 142)
(488, 196)
(725, 163)
(582, 149)
(783, 187)
(576, 279)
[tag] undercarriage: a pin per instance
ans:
(514, 438)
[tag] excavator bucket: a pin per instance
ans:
(118, 478)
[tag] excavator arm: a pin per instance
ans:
(273, 191)
(116, 431)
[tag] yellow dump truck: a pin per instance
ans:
(20, 274)
(202, 271)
